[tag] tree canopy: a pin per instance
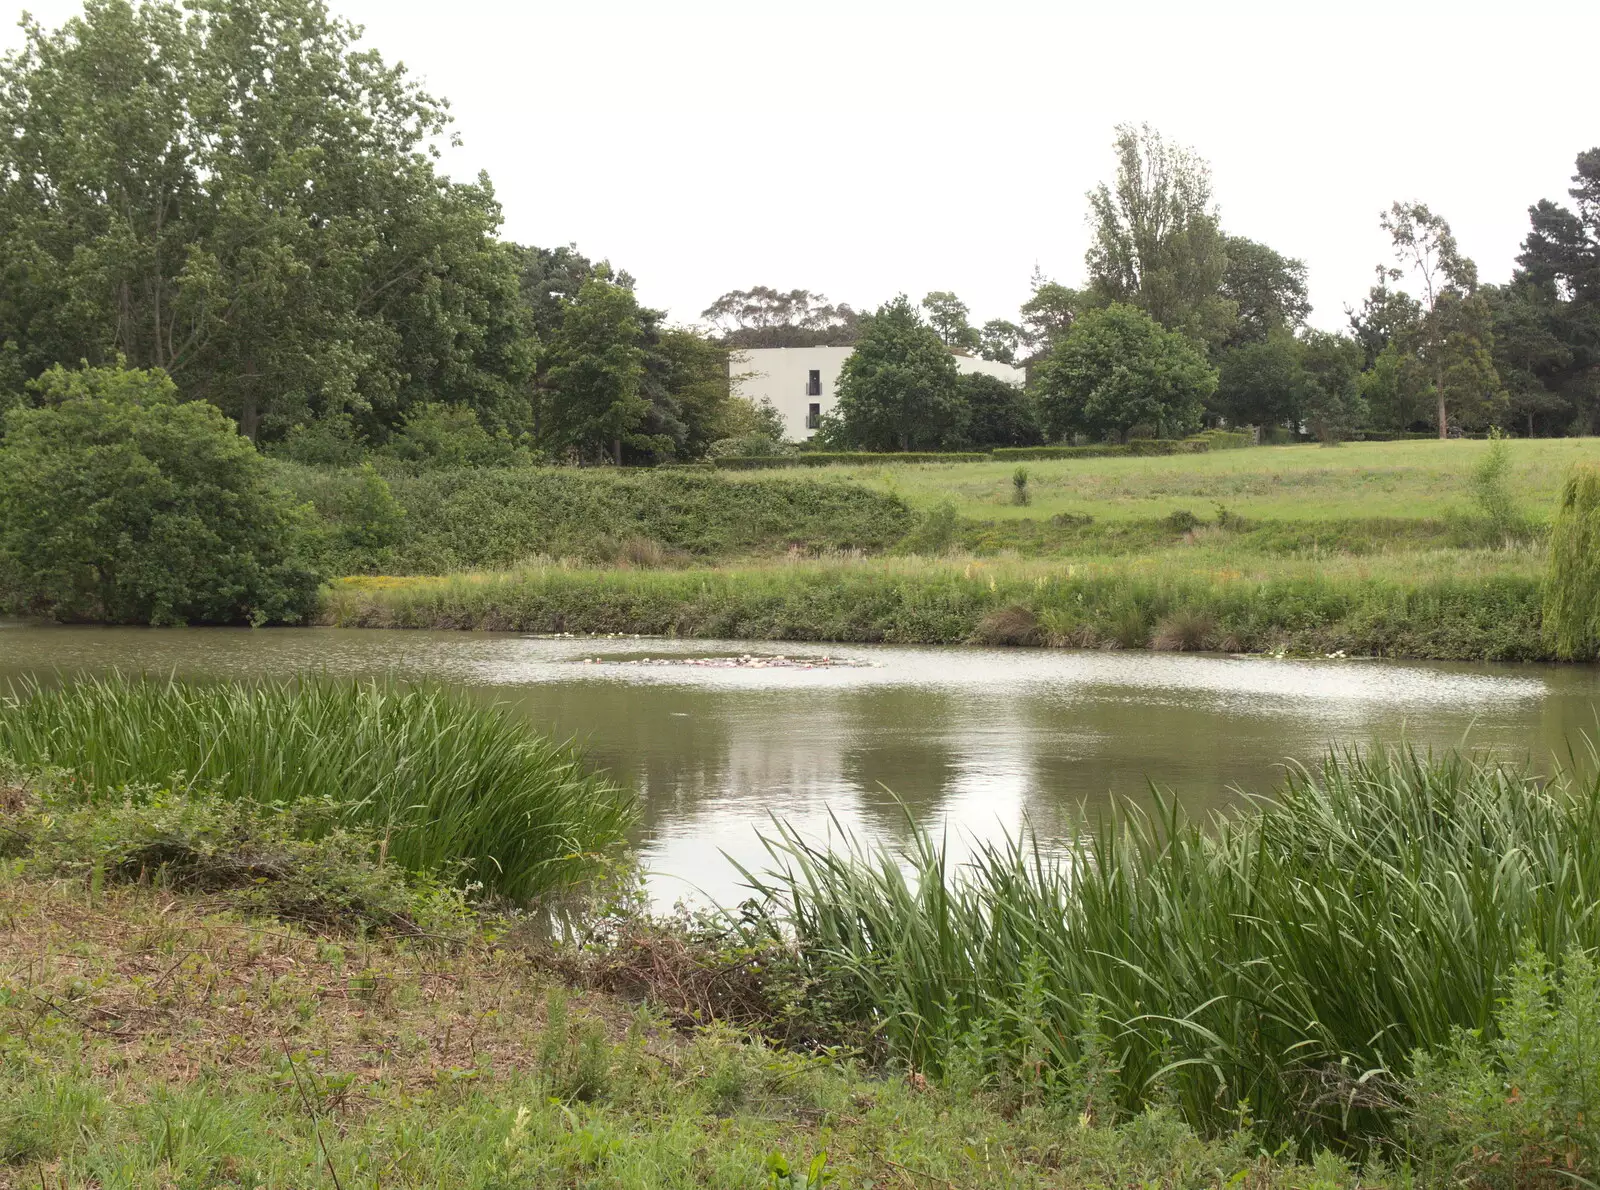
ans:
(1118, 369)
(897, 390)
(765, 317)
(234, 192)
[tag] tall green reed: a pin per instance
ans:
(1279, 964)
(446, 782)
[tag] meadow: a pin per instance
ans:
(1414, 480)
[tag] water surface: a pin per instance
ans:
(979, 739)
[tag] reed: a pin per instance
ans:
(1280, 964)
(447, 783)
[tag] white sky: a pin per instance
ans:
(864, 149)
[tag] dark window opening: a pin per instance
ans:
(814, 415)
(814, 384)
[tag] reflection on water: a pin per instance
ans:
(976, 738)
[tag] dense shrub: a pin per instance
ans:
(118, 503)
(464, 519)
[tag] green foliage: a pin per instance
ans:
(1491, 491)
(997, 413)
(1261, 382)
(1331, 398)
(1117, 369)
(435, 435)
(595, 376)
(1157, 242)
(898, 390)
(243, 196)
(1572, 585)
(947, 315)
(1219, 955)
(1019, 486)
(450, 786)
(462, 519)
(1267, 289)
(120, 504)
(1518, 1107)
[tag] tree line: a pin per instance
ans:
(1181, 323)
(237, 193)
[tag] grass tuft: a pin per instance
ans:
(447, 784)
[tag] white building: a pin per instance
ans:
(802, 381)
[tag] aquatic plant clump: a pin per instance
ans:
(1281, 964)
(449, 784)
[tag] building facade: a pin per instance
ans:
(802, 382)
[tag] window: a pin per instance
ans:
(814, 384)
(813, 415)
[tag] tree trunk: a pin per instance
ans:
(616, 450)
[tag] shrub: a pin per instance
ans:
(120, 504)
(1572, 583)
(1491, 492)
(1519, 1108)
(450, 785)
(1014, 625)
(1019, 486)
(1139, 447)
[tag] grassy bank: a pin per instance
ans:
(464, 518)
(1284, 965)
(449, 785)
(1464, 605)
(267, 1012)
(1356, 481)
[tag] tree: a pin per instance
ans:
(1049, 313)
(1118, 369)
(1557, 285)
(1530, 353)
(120, 503)
(765, 317)
(1268, 290)
(898, 389)
(1261, 382)
(999, 341)
(1158, 244)
(593, 401)
(1385, 315)
(1331, 401)
(234, 192)
(695, 381)
(997, 413)
(947, 314)
(1452, 340)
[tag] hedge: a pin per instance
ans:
(831, 458)
(1138, 447)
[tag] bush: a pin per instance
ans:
(849, 458)
(1572, 583)
(1491, 493)
(120, 504)
(450, 785)
(1518, 1107)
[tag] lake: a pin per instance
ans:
(979, 740)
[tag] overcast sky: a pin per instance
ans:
(868, 148)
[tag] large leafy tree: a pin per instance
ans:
(237, 193)
(1158, 243)
(1330, 385)
(1261, 383)
(997, 413)
(898, 389)
(593, 399)
(1267, 289)
(120, 503)
(1452, 341)
(1118, 369)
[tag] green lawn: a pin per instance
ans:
(1372, 479)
